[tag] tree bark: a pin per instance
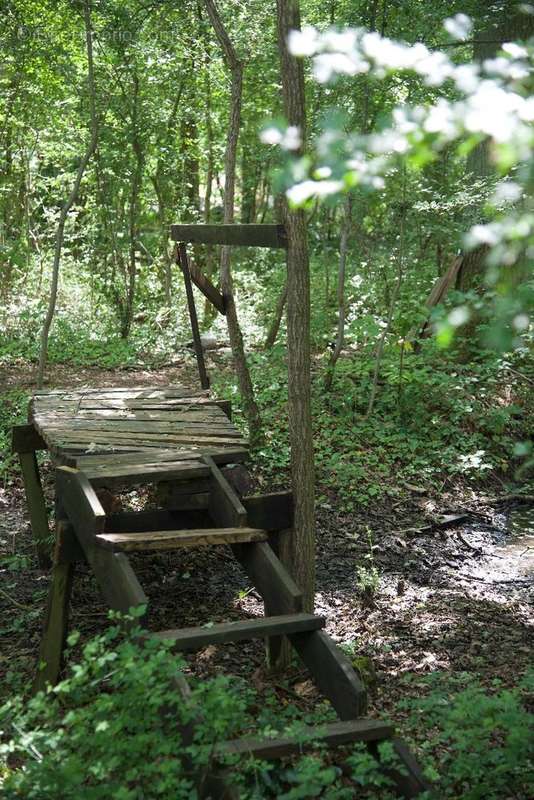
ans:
(71, 199)
(234, 330)
(301, 545)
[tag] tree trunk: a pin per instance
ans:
(71, 199)
(341, 310)
(234, 331)
(301, 545)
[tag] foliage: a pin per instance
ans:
(484, 739)
(115, 728)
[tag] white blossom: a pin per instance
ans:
(459, 26)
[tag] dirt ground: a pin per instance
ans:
(453, 597)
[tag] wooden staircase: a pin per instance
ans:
(251, 529)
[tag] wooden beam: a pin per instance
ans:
(183, 261)
(197, 637)
(36, 507)
(243, 235)
(270, 577)
(224, 505)
(56, 620)
(207, 288)
(332, 672)
(25, 439)
(113, 571)
(334, 734)
(274, 512)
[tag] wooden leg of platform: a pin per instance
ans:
(36, 507)
(57, 616)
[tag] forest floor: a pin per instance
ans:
(450, 597)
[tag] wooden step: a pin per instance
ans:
(193, 638)
(334, 734)
(132, 473)
(171, 540)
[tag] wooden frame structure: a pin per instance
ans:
(181, 440)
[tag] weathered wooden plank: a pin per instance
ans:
(224, 506)
(67, 549)
(274, 512)
(51, 397)
(207, 288)
(209, 415)
(25, 439)
(200, 636)
(69, 453)
(242, 235)
(334, 734)
(163, 427)
(116, 437)
(131, 474)
(332, 672)
(36, 507)
(270, 577)
(171, 540)
(154, 456)
(55, 626)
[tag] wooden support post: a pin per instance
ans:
(113, 571)
(332, 672)
(36, 507)
(182, 259)
(57, 613)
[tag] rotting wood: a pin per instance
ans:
(36, 507)
(171, 540)
(231, 234)
(332, 672)
(334, 734)
(197, 637)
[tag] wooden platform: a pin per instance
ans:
(177, 420)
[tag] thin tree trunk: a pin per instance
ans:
(394, 298)
(300, 547)
(236, 337)
(341, 309)
(71, 199)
